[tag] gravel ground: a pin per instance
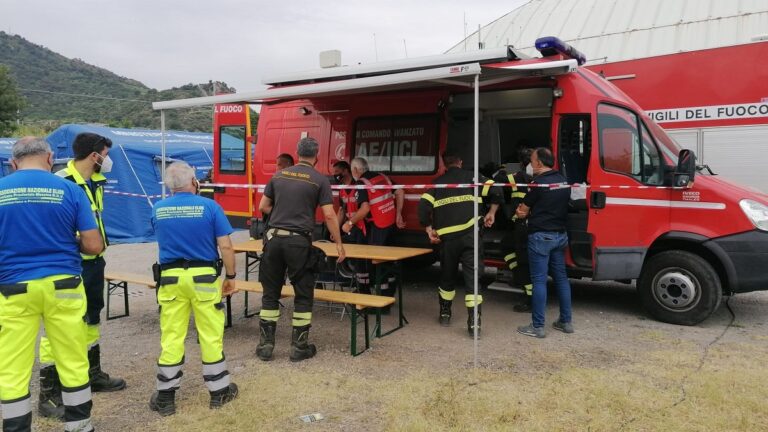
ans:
(610, 328)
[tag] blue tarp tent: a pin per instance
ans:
(134, 183)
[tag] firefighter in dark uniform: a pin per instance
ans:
(87, 171)
(291, 198)
(381, 211)
(517, 260)
(448, 215)
(40, 215)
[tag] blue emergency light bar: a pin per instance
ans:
(550, 45)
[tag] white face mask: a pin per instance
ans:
(106, 165)
(529, 170)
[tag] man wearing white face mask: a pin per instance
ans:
(91, 162)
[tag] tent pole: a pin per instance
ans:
(162, 153)
(475, 234)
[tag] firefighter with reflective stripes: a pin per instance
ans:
(517, 260)
(191, 230)
(357, 231)
(448, 215)
(40, 279)
(91, 162)
(291, 198)
(380, 209)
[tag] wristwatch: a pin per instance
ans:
(232, 276)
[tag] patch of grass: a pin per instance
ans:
(658, 390)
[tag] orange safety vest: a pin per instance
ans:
(349, 198)
(382, 201)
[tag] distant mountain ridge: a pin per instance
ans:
(52, 85)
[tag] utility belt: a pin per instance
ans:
(157, 269)
(282, 232)
(8, 290)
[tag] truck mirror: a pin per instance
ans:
(686, 169)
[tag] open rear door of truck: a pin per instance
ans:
(232, 152)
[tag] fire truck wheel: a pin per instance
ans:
(679, 287)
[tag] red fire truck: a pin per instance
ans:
(687, 237)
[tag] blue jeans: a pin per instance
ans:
(546, 251)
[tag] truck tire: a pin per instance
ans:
(679, 287)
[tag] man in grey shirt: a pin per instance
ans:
(291, 198)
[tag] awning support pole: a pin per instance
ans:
(162, 153)
(476, 232)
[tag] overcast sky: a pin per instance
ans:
(166, 43)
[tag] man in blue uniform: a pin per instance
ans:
(40, 215)
(87, 171)
(189, 231)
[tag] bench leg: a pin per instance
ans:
(246, 312)
(353, 334)
(229, 312)
(382, 274)
(111, 287)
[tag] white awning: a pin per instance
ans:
(456, 75)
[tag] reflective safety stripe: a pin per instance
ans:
(206, 289)
(60, 295)
(486, 188)
(456, 228)
(381, 198)
(216, 375)
(215, 368)
(513, 265)
(169, 377)
(447, 295)
(454, 200)
(520, 195)
(270, 314)
(428, 197)
(18, 408)
(510, 257)
(219, 383)
(300, 319)
(469, 300)
(529, 289)
(77, 397)
(78, 426)
(511, 178)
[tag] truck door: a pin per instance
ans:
(232, 159)
(628, 209)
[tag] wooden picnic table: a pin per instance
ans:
(377, 254)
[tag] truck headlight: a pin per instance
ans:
(756, 212)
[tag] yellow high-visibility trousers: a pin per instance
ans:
(195, 290)
(60, 302)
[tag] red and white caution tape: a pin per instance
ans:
(261, 187)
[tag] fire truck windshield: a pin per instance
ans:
(669, 148)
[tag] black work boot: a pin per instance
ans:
(525, 306)
(100, 380)
(50, 404)
(471, 320)
(223, 396)
(445, 312)
(266, 340)
(301, 349)
(164, 402)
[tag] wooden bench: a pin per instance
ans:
(118, 280)
(359, 303)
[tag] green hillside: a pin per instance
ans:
(54, 85)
